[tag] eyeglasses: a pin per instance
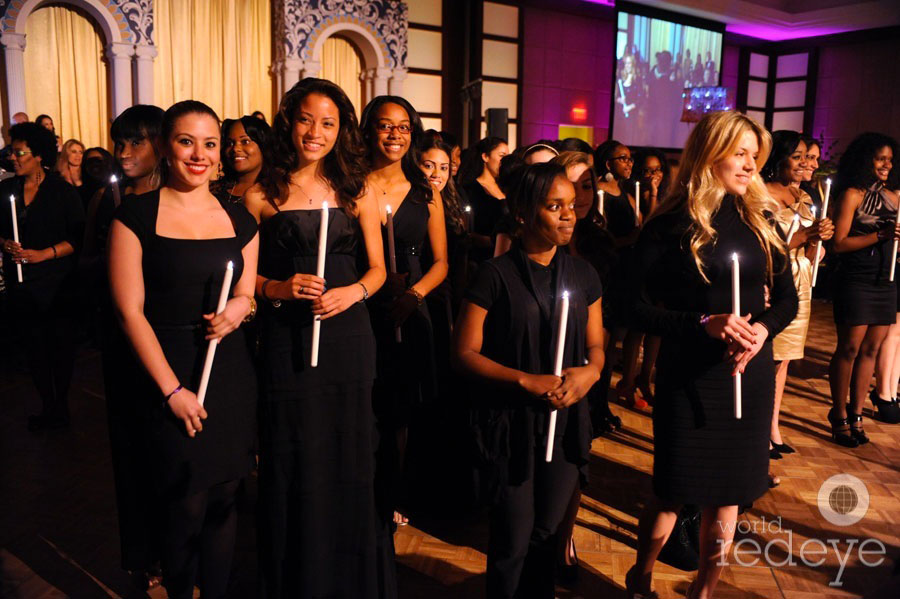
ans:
(652, 171)
(388, 128)
(20, 153)
(625, 159)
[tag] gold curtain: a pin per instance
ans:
(65, 74)
(342, 65)
(216, 51)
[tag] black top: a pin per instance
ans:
(619, 214)
(54, 215)
(519, 332)
(487, 214)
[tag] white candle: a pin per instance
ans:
(469, 224)
(213, 343)
(736, 310)
(392, 256)
(15, 225)
(320, 272)
(795, 224)
(557, 367)
(602, 195)
(637, 203)
(894, 253)
(819, 244)
(114, 183)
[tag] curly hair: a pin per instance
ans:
(856, 168)
(40, 140)
(784, 143)
(421, 189)
(344, 166)
(261, 134)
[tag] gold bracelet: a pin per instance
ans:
(420, 299)
(252, 313)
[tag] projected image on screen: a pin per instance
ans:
(655, 61)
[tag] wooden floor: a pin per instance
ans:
(58, 534)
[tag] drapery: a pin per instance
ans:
(66, 74)
(342, 65)
(216, 51)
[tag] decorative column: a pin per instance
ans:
(13, 50)
(366, 77)
(380, 85)
(119, 55)
(311, 68)
(144, 54)
(396, 82)
(290, 72)
(275, 71)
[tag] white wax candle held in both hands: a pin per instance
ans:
(815, 274)
(736, 310)
(213, 343)
(392, 255)
(15, 226)
(320, 272)
(637, 203)
(557, 368)
(795, 225)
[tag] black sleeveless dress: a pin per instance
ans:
(182, 279)
(317, 527)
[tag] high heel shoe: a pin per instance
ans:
(630, 585)
(839, 436)
(627, 393)
(774, 454)
(646, 393)
(856, 430)
(782, 448)
(888, 411)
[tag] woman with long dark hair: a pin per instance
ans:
(318, 533)
(507, 328)
(865, 300)
(169, 250)
(682, 290)
(247, 142)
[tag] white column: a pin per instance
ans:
(365, 77)
(119, 55)
(396, 82)
(380, 86)
(144, 54)
(13, 50)
(290, 72)
(311, 68)
(276, 72)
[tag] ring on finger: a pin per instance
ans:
(301, 289)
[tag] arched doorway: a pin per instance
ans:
(66, 73)
(342, 64)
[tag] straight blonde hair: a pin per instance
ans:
(700, 192)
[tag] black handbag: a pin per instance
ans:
(682, 550)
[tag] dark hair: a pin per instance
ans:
(856, 170)
(139, 122)
(257, 130)
(532, 187)
(421, 188)
(452, 210)
(810, 141)
(449, 139)
(260, 116)
(640, 163)
(603, 154)
(108, 163)
(171, 116)
(41, 117)
(541, 144)
(471, 165)
(511, 167)
(344, 166)
(574, 144)
(784, 143)
(41, 142)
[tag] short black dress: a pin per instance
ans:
(703, 455)
(182, 280)
(863, 291)
(317, 525)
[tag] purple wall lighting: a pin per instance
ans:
(777, 34)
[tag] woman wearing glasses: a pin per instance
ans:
(405, 370)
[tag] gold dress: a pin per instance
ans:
(789, 344)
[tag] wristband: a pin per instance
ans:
(55, 255)
(365, 291)
(174, 391)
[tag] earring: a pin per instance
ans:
(609, 177)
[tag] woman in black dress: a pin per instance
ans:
(478, 180)
(405, 372)
(507, 327)
(167, 260)
(681, 290)
(247, 143)
(865, 299)
(51, 221)
(317, 524)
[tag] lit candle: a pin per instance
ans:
(819, 244)
(736, 310)
(320, 272)
(213, 343)
(114, 183)
(15, 224)
(392, 256)
(469, 223)
(795, 224)
(602, 196)
(637, 203)
(894, 253)
(557, 367)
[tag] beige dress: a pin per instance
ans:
(789, 344)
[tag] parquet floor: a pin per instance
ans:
(58, 524)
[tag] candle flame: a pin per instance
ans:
(828, 180)
(324, 204)
(565, 294)
(734, 256)
(230, 265)
(387, 208)
(468, 208)
(113, 179)
(12, 198)
(813, 209)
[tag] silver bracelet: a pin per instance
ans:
(365, 291)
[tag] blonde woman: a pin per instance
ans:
(69, 162)
(681, 290)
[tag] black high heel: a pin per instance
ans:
(858, 433)
(782, 447)
(888, 411)
(844, 439)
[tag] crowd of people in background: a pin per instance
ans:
(429, 332)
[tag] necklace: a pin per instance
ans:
(308, 197)
(380, 188)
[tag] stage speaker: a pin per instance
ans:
(497, 120)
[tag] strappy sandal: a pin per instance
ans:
(856, 430)
(840, 430)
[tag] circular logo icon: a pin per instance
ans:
(843, 499)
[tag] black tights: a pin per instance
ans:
(198, 542)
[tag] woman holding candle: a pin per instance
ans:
(507, 329)
(478, 179)
(49, 219)
(682, 290)
(783, 173)
(318, 532)
(865, 300)
(167, 260)
(405, 374)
